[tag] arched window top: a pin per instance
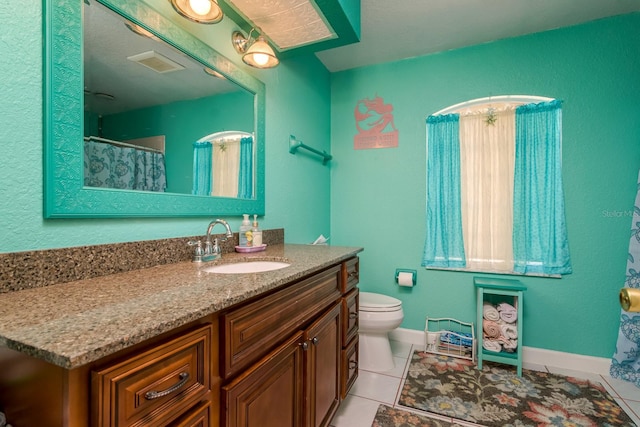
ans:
(497, 102)
(225, 135)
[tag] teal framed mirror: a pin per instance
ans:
(65, 192)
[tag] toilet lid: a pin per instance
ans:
(377, 302)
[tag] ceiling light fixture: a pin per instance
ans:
(214, 73)
(255, 52)
(139, 30)
(201, 11)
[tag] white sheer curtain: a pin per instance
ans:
(487, 188)
(226, 167)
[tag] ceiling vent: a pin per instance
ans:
(155, 61)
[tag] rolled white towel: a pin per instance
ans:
(509, 316)
(492, 345)
(504, 306)
(509, 331)
(489, 312)
(510, 345)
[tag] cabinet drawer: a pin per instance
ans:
(155, 386)
(349, 367)
(350, 316)
(253, 330)
(350, 274)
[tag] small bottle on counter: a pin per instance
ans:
(246, 233)
(257, 233)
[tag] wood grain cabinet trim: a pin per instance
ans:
(200, 416)
(156, 386)
(350, 310)
(350, 274)
(349, 369)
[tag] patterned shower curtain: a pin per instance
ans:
(625, 364)
(109, 166)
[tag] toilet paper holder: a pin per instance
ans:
(413, 274)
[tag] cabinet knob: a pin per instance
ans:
(353, 315)
(353, 364)
(305, 345)
(314, 340)
(184, 377)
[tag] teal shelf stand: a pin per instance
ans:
(499, 290)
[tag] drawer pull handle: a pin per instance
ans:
(353, 275)
(184, 377)
(353, 364)
(353, 315)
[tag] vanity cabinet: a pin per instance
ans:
(286, 357)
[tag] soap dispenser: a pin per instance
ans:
(257, 233)
(246, 233)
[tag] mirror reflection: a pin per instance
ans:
(149, 109)
(223, 165)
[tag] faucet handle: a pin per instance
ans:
(199, 252)
(216, 248)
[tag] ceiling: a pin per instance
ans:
(114, 82)
(401, 29)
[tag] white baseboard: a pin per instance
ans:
(537, 356)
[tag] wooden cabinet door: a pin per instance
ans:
(269, 394)
(322, 380)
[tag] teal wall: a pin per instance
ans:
(298, 102)
(182, 123)
(378, 196)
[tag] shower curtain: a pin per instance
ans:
(625, 364)
(109, 166)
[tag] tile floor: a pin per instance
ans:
(372, 389)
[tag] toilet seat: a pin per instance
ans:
(373, 302)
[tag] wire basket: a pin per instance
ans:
(450, 337)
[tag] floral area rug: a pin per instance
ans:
(394, 417)
(496, 396)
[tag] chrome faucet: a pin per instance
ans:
(211, 251)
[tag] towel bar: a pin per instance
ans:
(294, 144)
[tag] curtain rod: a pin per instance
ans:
(122, 144)
(522, 99)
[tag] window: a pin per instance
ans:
(223, 165)
(494, 188)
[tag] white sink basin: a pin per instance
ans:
(246, 267)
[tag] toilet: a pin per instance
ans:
(379, 315)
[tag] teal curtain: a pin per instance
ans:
(444, 244)
(625, 364)
(245, 173)
(540, 244)
(111, 166)
(202, 165)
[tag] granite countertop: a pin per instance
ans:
(75, 323)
